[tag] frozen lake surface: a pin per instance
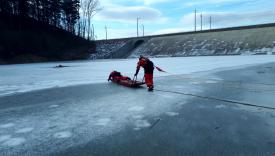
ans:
(92, 119)
(29, 77)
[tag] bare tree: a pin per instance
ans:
(89, 9)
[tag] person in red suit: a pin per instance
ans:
(116, 76)
(148, 66)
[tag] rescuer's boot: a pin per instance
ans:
(151, 88)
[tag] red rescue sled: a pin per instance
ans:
(117, 78)
(129, 83)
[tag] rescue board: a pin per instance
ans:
(128, 83)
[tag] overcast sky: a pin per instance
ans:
(169, 16)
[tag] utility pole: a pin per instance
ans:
(137, 25)
(195, 19)
(142, 30)
(210, 21)
(106, 31)
(201, 21)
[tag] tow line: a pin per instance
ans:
(217, 99)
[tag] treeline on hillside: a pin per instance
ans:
(63, 14)
(45, 30)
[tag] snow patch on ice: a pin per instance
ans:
(181, 103)
(62, 135)
(168, 96)
(24, 130)
(8, 125)
(14, 142)
(172, 113)
(53, 106)
(103, 121)
(138, 116)
(220, 106)
(244, 117)
(194, 83)
(4, 138)
(211, 81)
(141, 124)
(136, 108)
(217, 79)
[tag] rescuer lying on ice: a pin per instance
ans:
(148, 71)
(117, 76)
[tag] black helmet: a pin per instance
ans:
(141, 57)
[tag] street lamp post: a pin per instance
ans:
(210, 21)
(195, 19)
(137, 26)
(201, 21)
(142, 30)
(106, 32)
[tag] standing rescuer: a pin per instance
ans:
(148, 71)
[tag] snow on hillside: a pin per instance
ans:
(106, 49)
(256, 41)
(237, 42)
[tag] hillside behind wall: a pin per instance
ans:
(233, 42)
(249, 40)
(106, 49)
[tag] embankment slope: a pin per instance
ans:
(248, 40)
(27, 40)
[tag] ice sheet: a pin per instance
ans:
(29, 77)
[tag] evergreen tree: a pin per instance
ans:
(60, 13)
(55, 9)
(71, 12)
(23, 8)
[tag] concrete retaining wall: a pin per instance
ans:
(250, 40)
